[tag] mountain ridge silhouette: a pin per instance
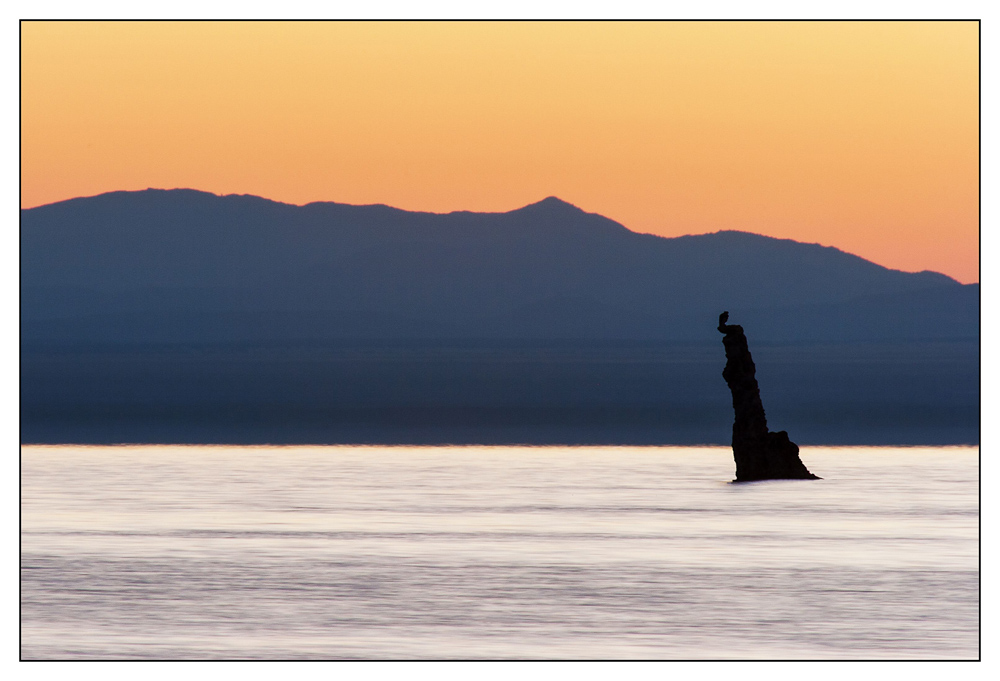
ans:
(165, 264)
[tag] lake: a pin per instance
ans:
(374, 552)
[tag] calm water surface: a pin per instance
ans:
(495, 552)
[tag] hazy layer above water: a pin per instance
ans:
(489, 393)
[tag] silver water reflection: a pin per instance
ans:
(495, 552)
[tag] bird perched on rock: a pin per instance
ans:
(723, 318)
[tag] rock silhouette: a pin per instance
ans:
(759, 453)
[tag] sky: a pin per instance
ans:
(859, 135)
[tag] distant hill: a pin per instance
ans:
(181, 316)
(188, 266)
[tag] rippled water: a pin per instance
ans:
(495, 552)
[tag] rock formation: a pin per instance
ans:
(759, 453)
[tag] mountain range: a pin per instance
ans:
(181, 316)
(189, 266)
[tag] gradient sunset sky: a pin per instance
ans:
(859, 135)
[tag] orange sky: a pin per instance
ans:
(862, 136)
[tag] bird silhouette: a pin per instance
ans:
(723, 318)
